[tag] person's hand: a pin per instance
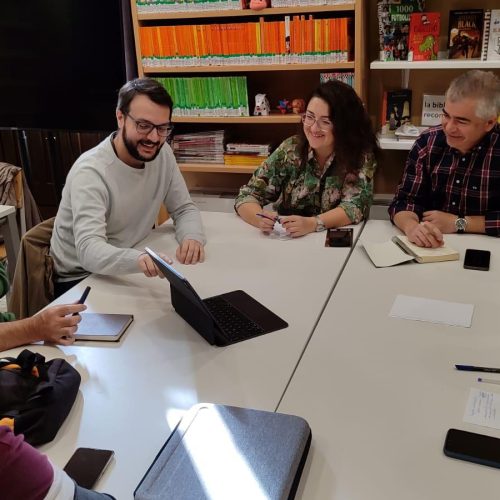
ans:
(426, 235)
(190, 252)
(296, 225)
(266, 224)
(444, 221)
(56, 324)
(147, 266)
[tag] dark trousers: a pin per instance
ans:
(61, 287)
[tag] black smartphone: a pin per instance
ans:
(86, 466)
(339, 237)
(477, 259)
(472, 447)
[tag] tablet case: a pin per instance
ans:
(226, 452)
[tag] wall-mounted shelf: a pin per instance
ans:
(216, 168)
(440, 64)
(393, 143)
(273, 118)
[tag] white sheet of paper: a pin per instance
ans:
(279, 232)
(483, 408)
(385, 254)
(434, 311)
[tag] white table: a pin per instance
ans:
(133, 393)
(380, 393)
(10, 233)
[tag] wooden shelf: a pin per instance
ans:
(216, 168)
(306, 9)
(245, 69)
(273, 118)
(440, 64)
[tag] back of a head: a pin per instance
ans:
(149, 87)
(482, 86)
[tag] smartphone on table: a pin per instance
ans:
(472, 447)
(87, 465)
(478, 260)
(339, 237)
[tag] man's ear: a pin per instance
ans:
(120, 118)
(490, 124)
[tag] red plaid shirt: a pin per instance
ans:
(438, 177)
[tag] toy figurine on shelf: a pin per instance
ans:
(262, 106)
(284, 106)
(259, 4)
(298, 106)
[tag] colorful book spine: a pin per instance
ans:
(465, 34)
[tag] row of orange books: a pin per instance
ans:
(294, 36)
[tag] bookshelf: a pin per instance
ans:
(423, 77)
(277, 81)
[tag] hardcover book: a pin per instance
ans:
(491, 46)
(432, 109)
(396, 109)
(465, 34)
(424, 36)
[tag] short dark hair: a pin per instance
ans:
(352, 127)
(143, 86)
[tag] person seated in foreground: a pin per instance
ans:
(113, 194)
(451, 181)
(55, 324)
(25, 473)
(321, 178)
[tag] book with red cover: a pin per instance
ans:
(424, 36)
(465, 34)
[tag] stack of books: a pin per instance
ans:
(199, 147)
(158, 6)
(246, 154)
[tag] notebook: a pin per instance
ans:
(225, 452)
(221, 320)
(107, 327)
(400, 249)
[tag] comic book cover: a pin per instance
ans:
(394, 27)
(396, 109)
(423, 41)
(465, 34)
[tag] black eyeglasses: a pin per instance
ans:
(144, 127)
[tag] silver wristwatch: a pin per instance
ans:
(320, 225)
(460, 224)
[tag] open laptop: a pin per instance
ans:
(221, 320)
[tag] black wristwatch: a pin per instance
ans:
(460, 224)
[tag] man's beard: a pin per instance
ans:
(132, 147)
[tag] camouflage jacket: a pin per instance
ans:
(308, 191)
(4, 288)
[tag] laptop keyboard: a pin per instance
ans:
(234, 324)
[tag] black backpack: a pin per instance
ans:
(36, 396)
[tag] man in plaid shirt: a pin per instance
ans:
(451, 181)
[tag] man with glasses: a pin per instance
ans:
(451, 182)
(114, 191)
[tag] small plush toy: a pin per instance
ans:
(259, 4)
(298, 106)
(262, 106)
(284, 106)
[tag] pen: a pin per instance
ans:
(488, 380)
(468, 368)
(264, 216)
(82, 299)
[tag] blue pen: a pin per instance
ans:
(264, 216)
(468, 368)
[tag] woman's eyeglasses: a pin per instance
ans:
(322, 124)
(145, 127)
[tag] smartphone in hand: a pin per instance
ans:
(87, 465)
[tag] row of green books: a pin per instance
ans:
(208, 96)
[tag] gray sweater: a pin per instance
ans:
(108, 207)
